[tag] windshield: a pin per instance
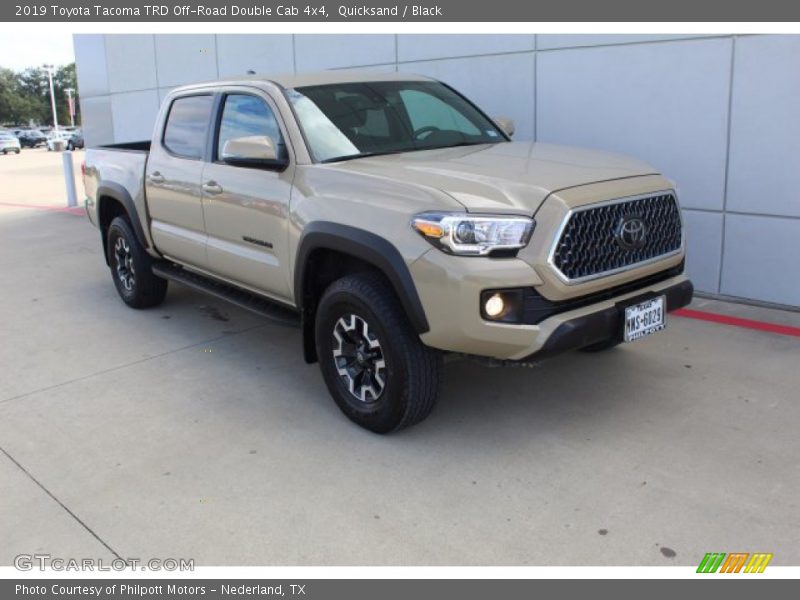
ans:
(350, 120)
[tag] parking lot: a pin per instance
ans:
(195, 430)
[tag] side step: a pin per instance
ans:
(243, 298)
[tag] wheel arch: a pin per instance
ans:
(354, 249)
(112, 201)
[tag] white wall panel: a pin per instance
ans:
(131, 62)
(98, 124)
(425, 47)
(665, 103)
(134, 115)
(237, 54)
(185, 59)
(314, 52)
(485, 80)
(765, 126)
(703, 248)
(90, 62)
(761, 259)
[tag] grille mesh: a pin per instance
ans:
(589, 245)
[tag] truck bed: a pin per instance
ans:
(128, 146)
(118, 170)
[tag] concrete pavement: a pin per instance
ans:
(194, 430)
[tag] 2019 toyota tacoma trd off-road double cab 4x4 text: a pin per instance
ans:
(394, 222)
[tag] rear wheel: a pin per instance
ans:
(376, 368)
(131, 267)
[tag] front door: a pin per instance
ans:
(246, 207)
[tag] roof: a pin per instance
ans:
(291, 80)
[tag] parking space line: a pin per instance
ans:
(73, 210)
(738, 322)
(61, 504)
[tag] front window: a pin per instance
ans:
(352, 120)
(248, 116)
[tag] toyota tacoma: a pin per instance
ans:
(395, 223)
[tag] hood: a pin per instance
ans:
(512, 177)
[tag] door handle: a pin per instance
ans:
(156, 178)
(212, 187)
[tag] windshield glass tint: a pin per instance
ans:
(348, 120)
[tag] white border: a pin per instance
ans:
(277, 26)
(366, 28)
(309, 573)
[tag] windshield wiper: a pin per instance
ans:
(416, 149)
(458, 145)
(360, 155)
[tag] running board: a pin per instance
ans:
(239, 297)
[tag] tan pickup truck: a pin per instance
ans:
(395, 223)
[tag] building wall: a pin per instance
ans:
(719, 115)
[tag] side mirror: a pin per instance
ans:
(506, 124)
(252, 151)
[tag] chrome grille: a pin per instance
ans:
(590, 246)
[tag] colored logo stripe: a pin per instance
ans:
(758, 562)
(711, 562)
(735, 561)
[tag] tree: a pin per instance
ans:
(25, 95)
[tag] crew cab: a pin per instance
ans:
(395, 223)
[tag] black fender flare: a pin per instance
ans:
(114, 191)
(370, 248)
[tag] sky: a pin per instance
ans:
(34, 51)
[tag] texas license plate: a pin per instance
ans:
(645, 318)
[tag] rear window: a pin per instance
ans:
(187, 125)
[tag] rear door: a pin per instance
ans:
(173, 180)
(246, 207)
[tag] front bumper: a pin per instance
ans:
(606, 324)
(450, 289)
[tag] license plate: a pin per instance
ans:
(645, 318)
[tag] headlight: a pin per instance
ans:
(473, 235)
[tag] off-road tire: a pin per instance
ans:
(412, 370)
(146, 290)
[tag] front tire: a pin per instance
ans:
(131, 267)
(380, 374)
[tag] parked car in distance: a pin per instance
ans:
(31, 138)
(59, 135)
(394, 223)
(9, 143)
(76, 141)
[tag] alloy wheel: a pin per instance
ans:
(124, 264)
(358, 358)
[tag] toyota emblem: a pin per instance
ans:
(631, 232)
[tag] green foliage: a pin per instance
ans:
(25, 96)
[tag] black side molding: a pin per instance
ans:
(368, 247)
(109, 189)
(605, 324)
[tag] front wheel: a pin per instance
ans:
(131, 267)
(380, 374)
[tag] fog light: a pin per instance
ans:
(494, 305)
